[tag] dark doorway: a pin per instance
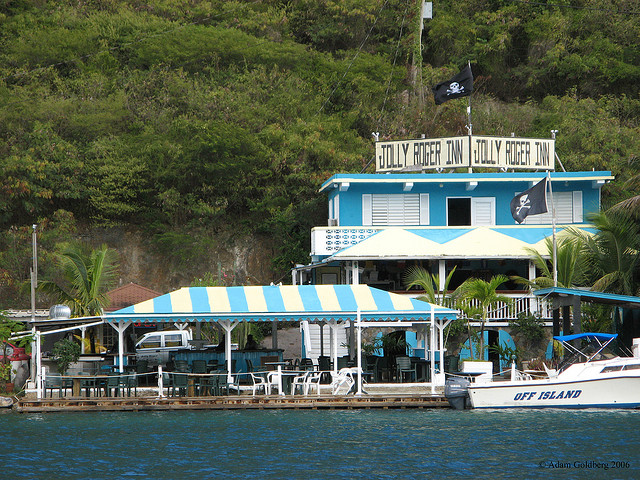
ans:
(493, 338)
(458, 211)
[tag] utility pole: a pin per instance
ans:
(34, 285)
(423, 10)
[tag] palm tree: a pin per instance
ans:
(87, 276)
(632, 204)
(614, 253)
(571, 263)
(430, 283)
(484, 295)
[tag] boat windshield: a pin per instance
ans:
(585, 347)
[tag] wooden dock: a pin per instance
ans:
(238, 402)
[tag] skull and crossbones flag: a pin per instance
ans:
(459, 85)
(530, 202)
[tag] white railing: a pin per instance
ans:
(521, 304)
(328, 240)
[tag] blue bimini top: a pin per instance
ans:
(587, 335)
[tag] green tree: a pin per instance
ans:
(571, 264)
(66, 352)
(614, 253)
(430, 283)
(482, 294)
(630, 205)
(86, 278)
(8, 327)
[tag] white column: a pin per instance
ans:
(160, 382)
(83, 331)
(441, 347)
(359, 352)
(228, 328)
(533, 303)
(120, 328)
(121, 350)
(39, 372)
(432, 336)
(442, 273)
(334, 344)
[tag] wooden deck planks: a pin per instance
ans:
(242, 402)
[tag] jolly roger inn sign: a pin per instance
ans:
(466, 151)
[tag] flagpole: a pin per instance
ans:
(553, 223)
(469, 124)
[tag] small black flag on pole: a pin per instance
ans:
(530, 202)
(460, 85)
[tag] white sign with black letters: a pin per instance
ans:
(459, 152)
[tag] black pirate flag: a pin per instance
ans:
(460, 85)
(530, 202)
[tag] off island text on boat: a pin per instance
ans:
(589, 377)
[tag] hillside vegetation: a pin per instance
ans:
(180, 119)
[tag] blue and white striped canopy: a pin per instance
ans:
(280, 302)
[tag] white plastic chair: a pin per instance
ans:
(299, 381)
(313, 381)
(343, 381)
(259, 382)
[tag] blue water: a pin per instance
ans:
(334, 444)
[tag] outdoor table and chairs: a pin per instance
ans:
(306, 381)
(280, 379)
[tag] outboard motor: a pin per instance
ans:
(456, 392)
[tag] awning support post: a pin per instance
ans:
(333, 324)
(120, 328)
(228, 328)
(359, 352)
(38, 354)
(432, 355)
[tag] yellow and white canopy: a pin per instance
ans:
(499, 242)
(280, 302)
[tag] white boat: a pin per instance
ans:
(590, 378)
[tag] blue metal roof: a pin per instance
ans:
(280, 302)
(626, 301)
(463, 177)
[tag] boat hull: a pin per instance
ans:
(613, 392)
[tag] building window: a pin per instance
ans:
(568, 210)
(395, 209)
(467, 211)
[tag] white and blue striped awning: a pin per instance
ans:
(281, 303)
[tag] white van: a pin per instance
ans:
(155, 347)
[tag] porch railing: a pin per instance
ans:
(521, 304)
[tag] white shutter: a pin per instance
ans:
(379, 210)
(483, 211)
(577, 207)
(424, 209)
(563, 202)
(395, 209)
(366, 209)
(411, 210)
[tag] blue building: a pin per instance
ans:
(381, 224)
